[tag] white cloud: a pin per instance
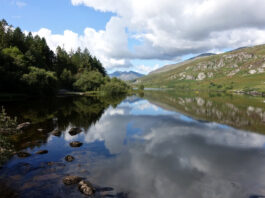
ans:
(144, 69)
(20, 4)
(145, 105)
(167, 29)
(115, 134)
(105, 44)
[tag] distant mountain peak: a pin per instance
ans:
(203, 55)
(126, 75)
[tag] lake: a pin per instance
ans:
(162, 144)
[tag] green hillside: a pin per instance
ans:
(241, 70)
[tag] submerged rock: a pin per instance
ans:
(23, 154)
(86, 188)
(41, 152)
(55, 164)
(23, 125)
(69, 180)
(40, 130)
(69, 158)
(74, 131)
(56, 132)
(76, 144)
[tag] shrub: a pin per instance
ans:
(141, 87)
(7, 125)
(6, 122)
(115, 87)
(40, 81)
(219, 86)
(88, 81)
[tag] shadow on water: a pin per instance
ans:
(55, 113)
(238, 111)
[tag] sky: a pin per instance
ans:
(141, 35)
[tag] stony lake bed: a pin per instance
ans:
(163, 144)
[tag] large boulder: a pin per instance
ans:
(86, 188)
(201, 76)
(69, 158)
(75, 131)
(76, 144)
(23, 126)
(56, 132)
(41, 152)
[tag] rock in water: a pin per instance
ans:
(23, 125)
(56, 132)
(74, 131)
(23, 154)
(69, 180)
(76, 144)
(86, 188)
(69, 158)
(40, 130)
(58, 164)
(41, 152)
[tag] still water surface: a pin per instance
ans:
(161, 145)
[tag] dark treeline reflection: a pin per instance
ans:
(55, 113)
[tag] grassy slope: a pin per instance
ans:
(220, 66)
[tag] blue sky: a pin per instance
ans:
(141, 35)
(57, 15)
(61, 15)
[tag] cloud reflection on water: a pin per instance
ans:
(174, 157)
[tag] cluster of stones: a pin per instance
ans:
(84, 186)
(56, 132)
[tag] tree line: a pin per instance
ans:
(28, 65)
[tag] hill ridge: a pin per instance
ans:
(126, 75)
(222, 71)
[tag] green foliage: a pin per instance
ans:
(66, 79)
(141, 87)
(77, 70)
(115, 87)
(12, 66)
(89, 81)
(6, 122)
(40, 81)
(16, 56)
(7, 126)
(6, 149)
(219, 86)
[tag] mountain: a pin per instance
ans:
(126, 76)
(241, 70)
(173, 66)
(203, 55)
